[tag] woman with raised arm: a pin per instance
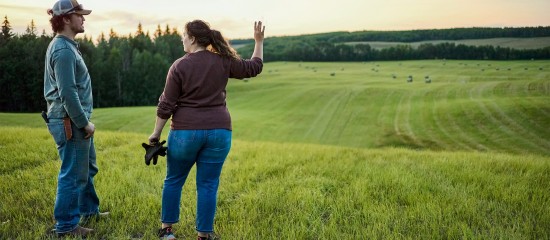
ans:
(200, 131)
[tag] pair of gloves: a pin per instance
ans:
(153, 150)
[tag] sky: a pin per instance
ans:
(235, 19)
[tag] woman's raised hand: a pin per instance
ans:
(259, 31)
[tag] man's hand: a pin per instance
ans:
(90, 129)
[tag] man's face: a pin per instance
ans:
(76, 23)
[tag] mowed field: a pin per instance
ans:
(325, 151)
(468, 105)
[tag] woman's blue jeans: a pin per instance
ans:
(208, 150)
(76, 195)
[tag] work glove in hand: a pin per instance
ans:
(153, 150)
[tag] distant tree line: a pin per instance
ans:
(310, 50)
(126, 70)
(441, 34)
(130, 70)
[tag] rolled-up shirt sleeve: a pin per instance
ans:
(64, 67)
(246, 68)
(169, 97)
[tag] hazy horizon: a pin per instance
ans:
(286, 18)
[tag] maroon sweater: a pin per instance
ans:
(194, 94)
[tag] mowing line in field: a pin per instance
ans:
(407, 119)
(459, 128)
(475, 96)
(401, 113)
(439, 122)
(467, 108)
(325, 116)
(503, 128)
(519, 130)
(520, 109)
(396, 118)
(342, 127)
(426, 105)
(534, 139)
(386, 111)
(544, 131)
(527, 93)
(483, 129)
(385, 106)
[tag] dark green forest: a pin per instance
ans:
(130, 70)
(125, 70)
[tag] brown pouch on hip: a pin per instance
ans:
(68, 129)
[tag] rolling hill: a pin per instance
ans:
(325, 151)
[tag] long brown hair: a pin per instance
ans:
(210, 38)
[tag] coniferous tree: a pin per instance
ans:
(6, 30)
(31, 29)
(158, 32)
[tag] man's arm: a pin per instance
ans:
(64, 68)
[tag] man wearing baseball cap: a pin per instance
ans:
(68, 93)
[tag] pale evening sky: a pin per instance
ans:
(286, 17)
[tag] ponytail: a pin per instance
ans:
(221, 46)
(211, 39)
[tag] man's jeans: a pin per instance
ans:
(76, 194)
(208, 149)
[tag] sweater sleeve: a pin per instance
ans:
(64, 62)
(169, 97)
(245, 68)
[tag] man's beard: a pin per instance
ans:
(78, 29)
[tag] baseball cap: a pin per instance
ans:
(62, 7)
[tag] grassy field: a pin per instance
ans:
(325, 151)
(468, 105)
(516, 43)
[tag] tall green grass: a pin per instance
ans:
(291, 191)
